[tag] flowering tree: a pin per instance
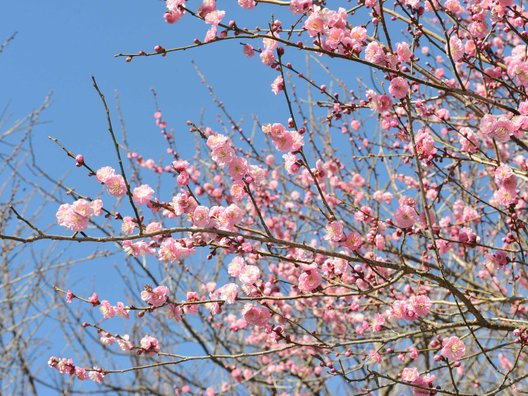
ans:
(370, 243)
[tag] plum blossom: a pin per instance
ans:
(420, 304)
(399, 88)
(228, 292)
(410, 374)
(175, 10)
(104, 173)
(309, 280)
(77, 215)
(201, 216)
(405, 216)
(247, 4)
(249, 274)
(277, 85)
(107, 309)
(124, 343)
(172, 250)
(334, 231)
(254, 315)
(96, 375)
(150, 345)
(142, 194)
(453, 348)
(155, 297)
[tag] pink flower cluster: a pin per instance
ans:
(66, 366)
(76, 216)
(115, 184)
(150, 345)
(332, 30)
(175, 10)
(172, 250)
(507, 182)
(413, 308)
(412, 376)
(499, 128)
(453, 348)
(228, 292)
(309, 280)
(109, 311)
(255, 315)
(155, 297)
(122, 341)
(282, 139)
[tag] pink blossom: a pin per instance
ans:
(128, 225)
(76, 216)
(254, 315)
(309, 281)
(106, 309)
(97, 207)
(191, 308)
(231, 216)
(424, 382)
(410, 374)
(420, 304)
(503, 173)
(142, 194)
(183, 203)
(456, 48)
(69, 296)
(121, 310)
(334, 231)
(236, 266)
(214, 17)
(228, 292)
(124, 343)
(175, 312)
(249, 274)
(314, 24)
(502, 130)
(106, 338)
(201, 216)
(237, 168)
(136, 249)
(248, 50)
(378, 322)
(399, 88)
(374, 53)
(300, 6)
(277, 85)
(453, 348)
(94, 299)
(150, 345)
(403, 51)
(104, 173)
(115, 185)
(223, 154)
(247, 4)
(96, 375)
(267, 57)
(155, 297)
(172, 250)
(405, 216)
(81, 373)
(152, 228)
(468, 140)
